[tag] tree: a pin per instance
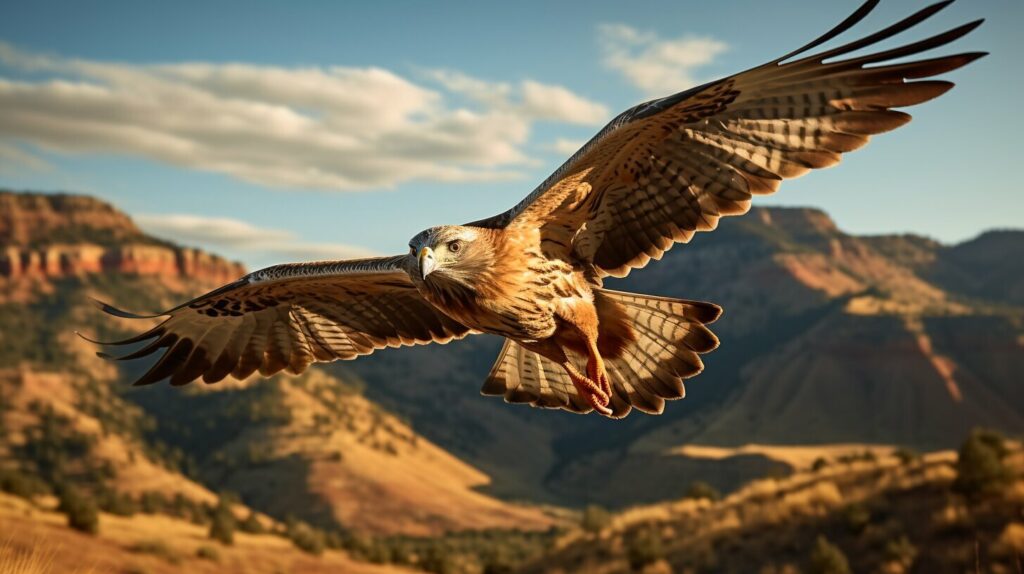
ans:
(222, 527)
(702, 490)
(979, 468)
(827, 558)
(81, 510)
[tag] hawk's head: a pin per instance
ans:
(450, 255)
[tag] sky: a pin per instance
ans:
(272, 131)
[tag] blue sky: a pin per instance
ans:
(273, 131)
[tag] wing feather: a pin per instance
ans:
(665, 169)
(287, 317)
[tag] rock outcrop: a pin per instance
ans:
(50, 236)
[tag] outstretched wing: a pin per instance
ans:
(288, 316)
(665, 169)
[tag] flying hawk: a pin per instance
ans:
(655, 175)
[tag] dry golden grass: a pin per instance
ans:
(136, 473)
(373, 471)
(37, 541)
(800, 457)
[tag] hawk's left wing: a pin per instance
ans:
(665, 169)
(288, 316)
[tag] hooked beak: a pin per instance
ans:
(427, 263)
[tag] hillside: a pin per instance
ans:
(313, 448)
(826, 337)
(876, 513)
(832, 344)
(36, 540)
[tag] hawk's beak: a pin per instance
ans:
(427, 263)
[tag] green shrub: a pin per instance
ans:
(252, 524)
(157, 548)
(826, 558)
(979, 467)
(307, 538)
(81, 510)
(702, 490)
(595, 518)
(21, 485)
(222, 525)
(644, 548)
(857, 517)
(152, 502)
(116, 503)
(906, 455)
(902, 551)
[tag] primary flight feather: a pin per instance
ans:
(655, 175)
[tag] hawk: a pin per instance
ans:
(655, 175)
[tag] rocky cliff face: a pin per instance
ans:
(44, 236)
(31, 219)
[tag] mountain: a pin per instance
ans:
(313, 447)
(826, 338)
(893, 513)
(831, 344)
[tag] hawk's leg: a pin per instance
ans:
(596, 370)
(588, 389)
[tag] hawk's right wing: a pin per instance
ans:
(288, 316)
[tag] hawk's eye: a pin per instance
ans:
(454, 246)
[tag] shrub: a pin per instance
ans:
(80, 510)
(901, 551)
(117, 503)
(595, 518)
(818, 464)
(21, 485)
(307, 538)
(152, 502)
(702, 490)
(906, 455)
(857, 517)
(826, 558)
(252, 524)
(979, 467)
(222, 527)
(157, 548)
(644, 548)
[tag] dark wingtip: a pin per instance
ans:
(93, 341)
(850, 21)
(111, 310)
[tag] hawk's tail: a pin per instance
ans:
(648, 367)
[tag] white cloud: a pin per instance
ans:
(332, 128)
(241, 238)
(527, 99)
(656, 66)
(564, 146)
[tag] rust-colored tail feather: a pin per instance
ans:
(671, 334)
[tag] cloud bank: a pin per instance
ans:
(331, 128)
(657, 67)
(242, 238)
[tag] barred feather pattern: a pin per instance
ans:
(663, 170)
(287, 317)
(671, 336)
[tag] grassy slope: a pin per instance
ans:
(148, 543)
(864, 507)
